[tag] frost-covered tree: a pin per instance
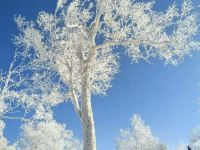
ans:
(138, 137)
(47, 135)
(162, 147)
(76, 44)
(181, 147)
(195, 138)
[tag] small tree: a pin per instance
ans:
(76, 45)
(138, 137)
(46, 135)
(195, 139)
(162, 147)
(181, 147)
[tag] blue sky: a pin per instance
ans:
(165, 96)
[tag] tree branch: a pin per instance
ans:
(73, 94)
(82, 28)
(113, 43)
(128, 42)
(13, 118)
(76, 103)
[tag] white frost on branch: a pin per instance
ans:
(12, 83)
(60, 4)
(25, 89)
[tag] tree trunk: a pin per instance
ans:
(89, 137)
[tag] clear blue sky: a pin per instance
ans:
(165, 96)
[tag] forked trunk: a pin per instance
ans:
(89, 137)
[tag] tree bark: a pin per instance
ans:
(89, 137)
